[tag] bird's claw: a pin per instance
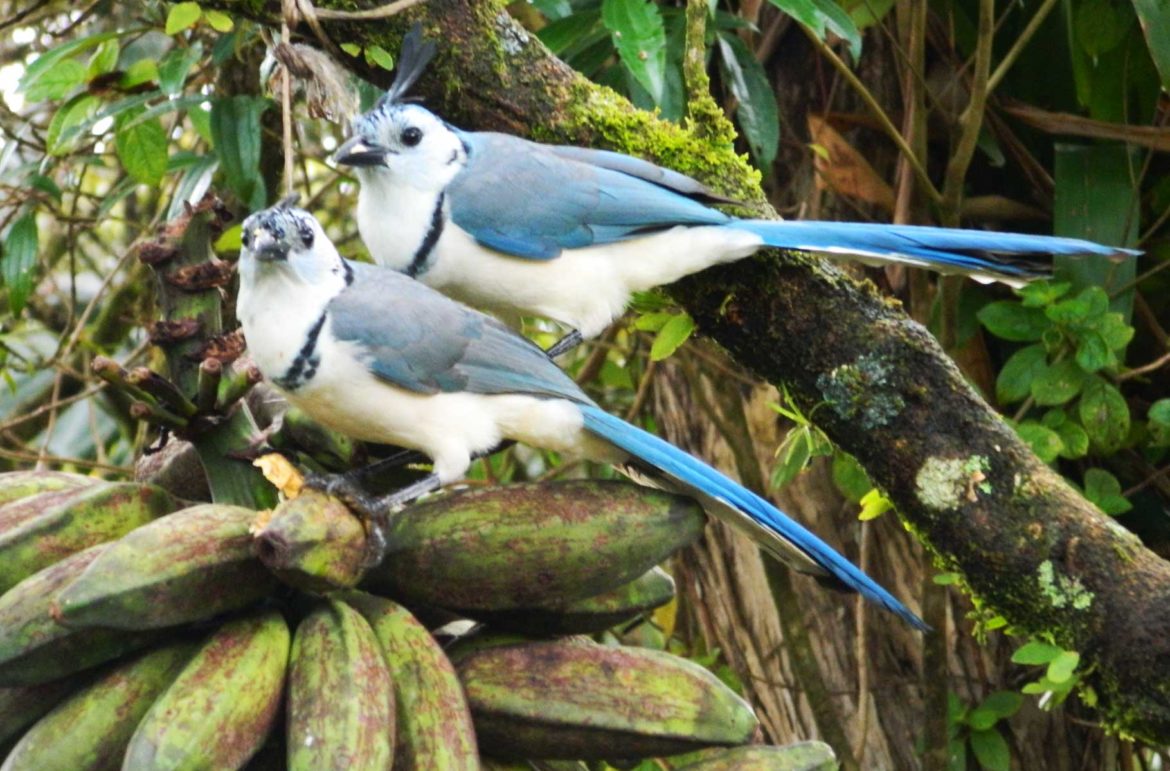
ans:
(345, 489)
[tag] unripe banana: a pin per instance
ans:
(340, 696)
(299, 432)
(35, 647)
(595, 614)
(219, 710)
(434, 725)
(313, 542)
(15, 485)
(89, 730)
(574, 699)
(530, 545)
(190, 565)
(25, 704)
(802, 756)
(37, 531)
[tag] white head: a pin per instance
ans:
(287, 244)
(406, 142)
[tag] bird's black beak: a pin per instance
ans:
(355, 152)
(266, 248)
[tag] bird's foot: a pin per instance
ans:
(380, 510)
(565, 344)
(346, 488)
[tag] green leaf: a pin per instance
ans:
(1103, 489)
(757, 113)
(46, 185)
(945, 579)
(652, 322)
(378, 55)
(57, 82)
(1074, 438)
(173, 68)
(1100, 25)
(821, 15)
(1058, 383)
(849, 477)
(1037, 294)
(1093, 353)
(1036, 652)
(792, 456)
(1155, 19)
(60, 138)
(1104, 414)
(235, 131)
(219, 21)
(1012, 321)
(1003, 703)
(1061, 668)
(1159, 421)
(1080, 310)
(1043, 440)
(103, 60)
(353, 49)
(639, 36)
(873, 505)
(673, 334)
(141, 147)
(1014, 381)
(1114, 331)
(19, 260)
(182, 16)
(47, 63)
(991, 750)
(141, 71)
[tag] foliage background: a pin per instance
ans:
(116, 114)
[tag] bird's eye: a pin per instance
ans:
(306, 234)
(246, 238)
(411, 136)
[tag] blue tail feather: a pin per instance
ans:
(1010, 255)
(702, 478)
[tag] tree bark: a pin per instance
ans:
(1026, 543)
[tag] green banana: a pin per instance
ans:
(99, 719)
(802, 756)
(190, 565)
(434, 725)
(574, 699)
(313, 542)
(530, 545)
(35, 647)
(594, 614)
(340, 696)
(37, 531)
(219, 710)
(24, 704)
(15, 485)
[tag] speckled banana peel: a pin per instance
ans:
(187, 566)
(340, 697)
(313, 542)
(575, 699)
(89, 730)
(35, 647)
(530, 545)
(15, 485)
(40, 529)
(220, 708)
(435, 732)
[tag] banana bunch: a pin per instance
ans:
(136, 633)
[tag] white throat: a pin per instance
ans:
(395, 217)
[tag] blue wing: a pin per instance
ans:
(769, 526)
(432, 344)
(531, 200)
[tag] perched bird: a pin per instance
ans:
(568, 233)
(379, 356)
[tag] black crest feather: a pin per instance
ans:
(413, 59)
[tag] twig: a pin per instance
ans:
(1158, 363)
(971, 120)
(1020, 43)
(383, 12)
(288, 14)
(57, 460)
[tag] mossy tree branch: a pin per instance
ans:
(1027, 544)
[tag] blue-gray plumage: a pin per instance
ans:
(396, 362)
(569, 233)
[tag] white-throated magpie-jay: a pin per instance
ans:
(379, 356)
(568, 233)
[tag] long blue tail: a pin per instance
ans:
(979, 253)
(697, 477)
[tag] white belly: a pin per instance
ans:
(582, 288)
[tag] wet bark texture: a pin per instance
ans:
(1028, 545)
